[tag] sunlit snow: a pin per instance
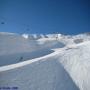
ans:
(45, 62)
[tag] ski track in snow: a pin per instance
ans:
(48, 63)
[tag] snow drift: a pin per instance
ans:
(45, 62)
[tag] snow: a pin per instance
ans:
(45, 62)
(25, 36)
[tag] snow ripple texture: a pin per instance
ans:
(45, 62)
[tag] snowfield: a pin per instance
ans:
(44, 62)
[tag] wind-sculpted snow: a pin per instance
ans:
(76, 62)
(45, 62)
(43, 75)
(15, 44)
(20, 57)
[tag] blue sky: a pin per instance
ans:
(45, 16)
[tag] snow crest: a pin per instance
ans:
(45, 62)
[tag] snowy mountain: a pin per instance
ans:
(44, 62)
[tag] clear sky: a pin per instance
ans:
(45, 16)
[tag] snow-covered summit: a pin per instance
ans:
(45, 62)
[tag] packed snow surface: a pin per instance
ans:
(45, 62)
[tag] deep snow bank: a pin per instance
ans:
(20, 57)
(46, 74)
(76, 62)
(14, 48)
(49, 62)
(14, 43)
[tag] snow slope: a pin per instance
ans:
(45, 62)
